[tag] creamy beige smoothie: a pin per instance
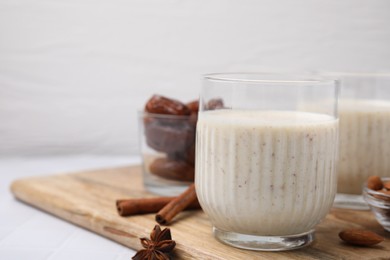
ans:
(266, 173)
(364, 143)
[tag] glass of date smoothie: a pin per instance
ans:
(364, 111)
(265, 168)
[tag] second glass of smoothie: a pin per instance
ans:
(364, 110)
(265, 161)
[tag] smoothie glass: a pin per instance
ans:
(364, 110)
(265, 159)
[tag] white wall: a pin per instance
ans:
(73, 73)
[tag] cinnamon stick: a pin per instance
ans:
(169, 211)
(128, 207)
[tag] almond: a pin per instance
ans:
(360, 237)
(386, 197)
(386, 185)
(374, 183)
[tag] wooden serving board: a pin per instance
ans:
(88, 199)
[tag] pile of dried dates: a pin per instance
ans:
(170, 127)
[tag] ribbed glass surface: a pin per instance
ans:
(266, 173)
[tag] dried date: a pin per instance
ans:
(173, 170)
(214, 104)
(193, 106)
(169, 138)
(162, 105)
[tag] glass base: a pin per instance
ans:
(264, 243)
(350, 201)
(159, 185)
(163, 187)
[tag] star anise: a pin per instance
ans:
(157, 247)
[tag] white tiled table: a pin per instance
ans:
(28, 233)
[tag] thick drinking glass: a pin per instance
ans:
(266, 158)
(364, 110)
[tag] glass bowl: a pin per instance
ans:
(167, 147)
(379, 204)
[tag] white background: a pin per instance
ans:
(73, 73)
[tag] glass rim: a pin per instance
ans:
(275, 78)
(325, 73)
(166, 116)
